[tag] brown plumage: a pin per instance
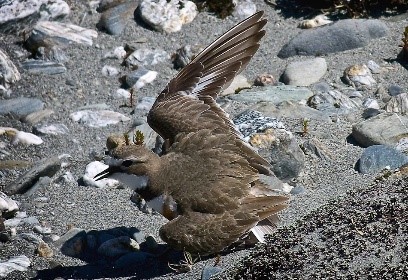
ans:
(210, 178)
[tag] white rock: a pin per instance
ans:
(123, 93)
(117, 53)
(371, 103)
(109, 71)
(8, 71)
(244, 9)
(398, 104)
(26, 138)
(314, 22)
(53, 129)
(374, 67)
(239, 82)
(359, 76)
(66, 31)
(47, 9)
(99, 118)
(167, 16)
(146, 79)
(146, 56)
(92, 169)
(7, 204)
(19, 263)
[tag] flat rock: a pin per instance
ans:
(140, 77)
(19, 14)
(334, 102)
(100, 118)
(43, 67)
(340, 36)
(273, 94)
(20, 263)
(385, 128)
(21, 106)
(52, 129)
(359, 76)
(47, 167)
(304, 73)
(91, 170)
(378, 157)
(38, 116)
(167, 16)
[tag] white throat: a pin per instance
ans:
(134, 182)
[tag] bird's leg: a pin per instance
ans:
(185, 265)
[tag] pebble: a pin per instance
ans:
(385, 128)
(54, 53)
(19, 263)
(374, 67)
(342, 35)
(297, 190)
(146, 56)
(140, 77)
(100, 118)
(167, 16)
(19, 14)
(117, 53)
(38, 116)
(7, 204)
(273, 94)
(359, 76)
(72, 243)
(244, 9)
(238, 83)
(20, 106)
(371, 103)
(370, 112)
(43, 250)
(122, 93)
(109, 71)
(334, 102)
(47, 167)
(118, 246)
(114, 18)
(395, 90)
(398, 104)
(378, 157)
(264, 80)
(52, 129)
(306, 72)
(43, 230)
(8, 71)
(318, 20)
(92, 169)
(210, 271)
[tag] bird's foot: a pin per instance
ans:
(185, 265)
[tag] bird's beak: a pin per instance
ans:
(107, 172)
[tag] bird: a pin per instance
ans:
(211, 185)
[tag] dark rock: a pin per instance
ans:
(340, 36)
(378, 157)
(43, 67)
(21, 106)
(72, 243)
(114, 19)
(394, 90)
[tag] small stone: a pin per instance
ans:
(297, 190)
(378, 157)
(43, 250)
(109, 71)
(52, 129)
(334, 102)
(44, 230)
(238, 83)
(245, 8)
(395, 90)
(146, 57)
(304, 73)
(167, 16)
(21, 106)
(370, 112)
(114, 19)
(374, 67)
(264, 80)
(117, 53)
(398, 104)
(99, 118)
(371, 103)
(47, 167)
(123, 93)
(117, 247)
(38, 116)
(43, 67)
(140, 77)
(53, 53)
(314, 22)
(7, 204)
(94, 168)
(210, 271)
(359, 76)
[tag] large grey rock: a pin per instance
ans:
(21, 106)
(385, 128)
(378, 157)
(340, 36)
(273, 94)
(306, 72)
(114, 19)
(16, 15)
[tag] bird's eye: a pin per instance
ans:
(127, 163)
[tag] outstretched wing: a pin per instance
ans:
(187, 103)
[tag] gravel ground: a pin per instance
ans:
(335, 206)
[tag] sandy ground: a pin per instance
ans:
(101, 209)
